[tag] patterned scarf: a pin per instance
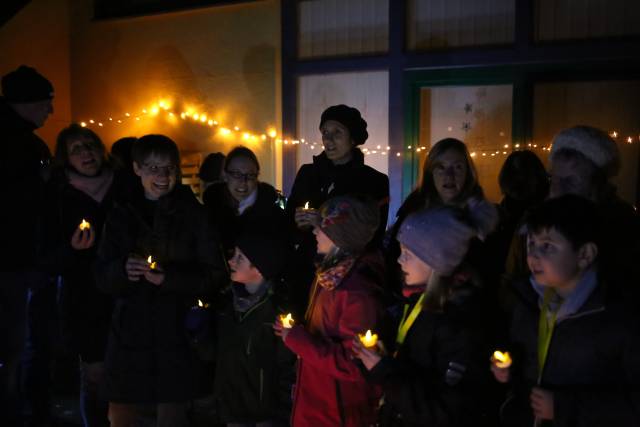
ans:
(331, 276)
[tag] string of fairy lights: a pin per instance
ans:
(164, 107)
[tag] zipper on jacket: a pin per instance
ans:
(261, 383)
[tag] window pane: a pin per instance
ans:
(366, 91)
(339, 27)
(438, 24)
(585, 19)
(480, 116)
(613, 106)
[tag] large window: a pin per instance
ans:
(613, 106)
(480, 116)
(441, 24)
(366, 91)
(342, 27)
(585, 19)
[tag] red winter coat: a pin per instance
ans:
(330, 388)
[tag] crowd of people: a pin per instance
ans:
(245, 308)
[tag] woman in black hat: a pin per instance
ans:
(339, 170)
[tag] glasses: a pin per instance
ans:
(160, 170)
(239, 176)
(81, 147)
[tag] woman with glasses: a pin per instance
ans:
(241, 199)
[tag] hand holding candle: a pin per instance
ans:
(83, 237)
(287, 321)
(155, 274)
(283, 325)
(306, 216)
(500, 364)
(366, 348)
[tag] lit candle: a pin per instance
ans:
(84, 225)
(368, 339)
(202, 304)
(306, 206)
(152, 263)
(502, 360)
(287, 321)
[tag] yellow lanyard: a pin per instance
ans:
(546, 325)
(407, 321)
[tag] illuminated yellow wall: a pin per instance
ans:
(38, 36)
(222, 60)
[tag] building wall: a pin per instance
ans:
(222, 61)
(38, 36)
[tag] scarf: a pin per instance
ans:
(243, 300)
(331, 277)
(574, 301)
(95, 187)
(408, 291)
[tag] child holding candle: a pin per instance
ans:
(575, 341)
(434, 374)
(149, 361)
(254, 370)
(331, 389)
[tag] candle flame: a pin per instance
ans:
(200, 303)
(84, 225)
(369, 339)
(502, 360)
(287, 321)
(306, 205)
(151, 262)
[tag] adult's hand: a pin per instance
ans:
(136, 267)
(83, 239)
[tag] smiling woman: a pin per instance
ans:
(241, 199)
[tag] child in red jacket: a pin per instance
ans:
(330, 388)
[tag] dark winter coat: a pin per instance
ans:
(316, 183)
(439, 376)
(85, 310)
(24, 163)
(254, 370)
(331, 389)
(148, 357)
(222, 211)
(592, 363)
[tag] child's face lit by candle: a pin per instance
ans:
(554, 262)
(416, 271)
(323, 243)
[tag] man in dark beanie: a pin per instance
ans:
(24, 107)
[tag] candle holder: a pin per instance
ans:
(501, 360)
(368, 339)
(84, 225)
(151, 262)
